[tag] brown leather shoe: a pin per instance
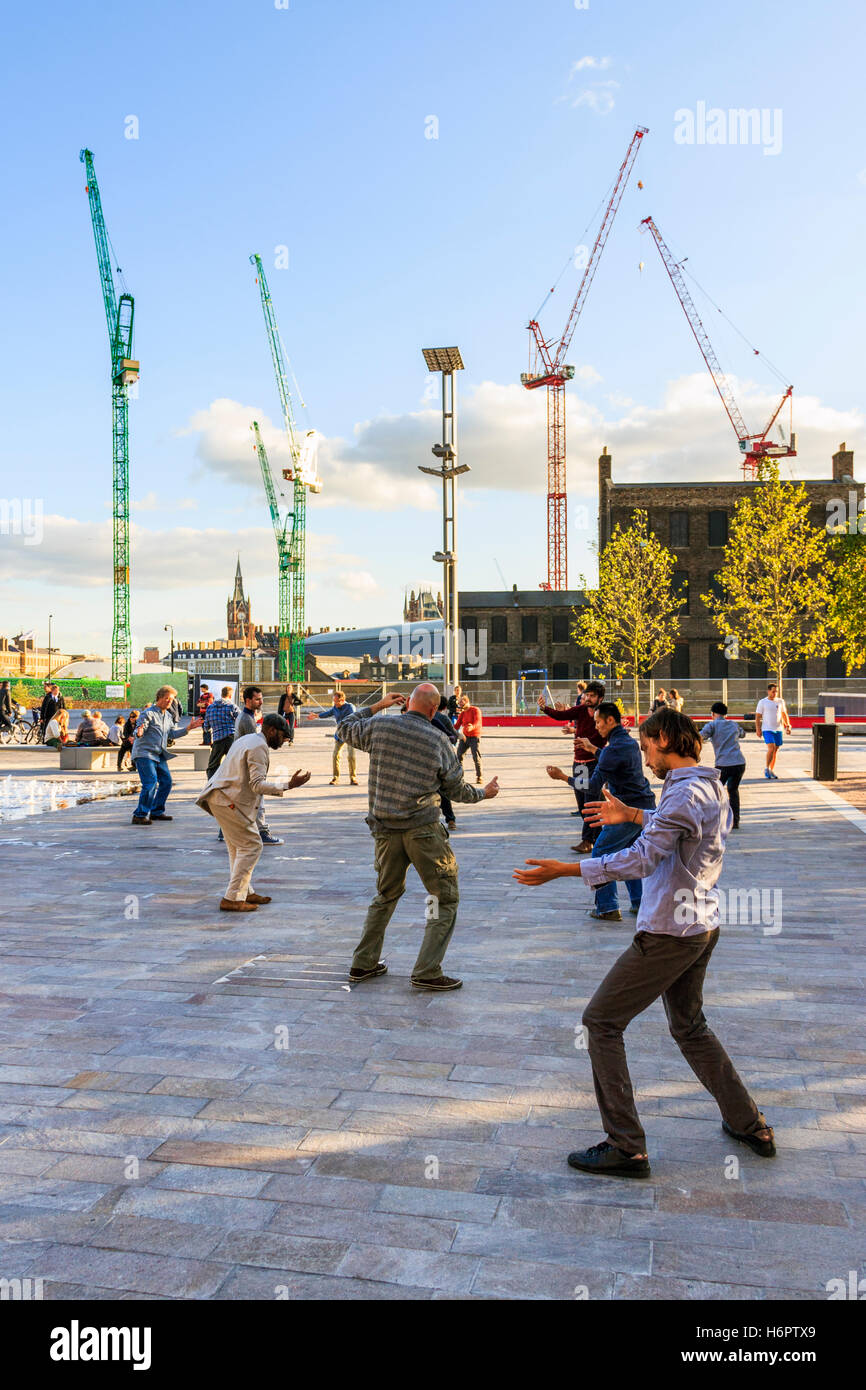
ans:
(237, 905)
(258, 898)
(584, 847)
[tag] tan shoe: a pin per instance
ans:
(237, 905)
(258, 898)
(353, 782)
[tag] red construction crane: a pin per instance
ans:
(755, 447)
(548, 358)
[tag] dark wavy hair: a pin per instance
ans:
(676, 732)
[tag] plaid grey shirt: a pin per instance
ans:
(411, 763)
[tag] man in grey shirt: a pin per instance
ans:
(725, 737)
(412, 764)
(246, 723)
(679, 855)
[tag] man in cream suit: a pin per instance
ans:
(232, 798)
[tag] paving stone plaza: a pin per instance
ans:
(196, 1105)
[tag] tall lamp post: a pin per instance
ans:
(50, 620)
(170, 628)
(447, 361)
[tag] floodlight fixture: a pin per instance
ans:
(444, 359)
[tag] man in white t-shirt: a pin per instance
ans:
(771, 717)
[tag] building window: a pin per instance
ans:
(499, 671)
(757, 668)
(796, 669)
(469, 624)
(719, 666)
(717, 529)
(681, 588)
(680, 662)
(715, 587)
(835, 666)
(529, 628)
(560, 670)
(679, 530)
(561, 626)
(499, 629)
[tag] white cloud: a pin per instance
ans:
(587, 374)
(588, 62)
(375, 471)
(503, 439)
(152, 502)
(600, 97)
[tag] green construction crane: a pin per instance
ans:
(119, 314)
(302, 475)
(284, 559)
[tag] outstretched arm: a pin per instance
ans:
(545, 870)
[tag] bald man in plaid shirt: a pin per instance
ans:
(412, 763)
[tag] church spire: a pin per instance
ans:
(238, 595)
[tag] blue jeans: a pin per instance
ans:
(155, 786)
(610, 839)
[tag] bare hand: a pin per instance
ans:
(545, 870)
(556, 773)
(139, 731)
(195, 723)
(298, 779)
(608, 812)
(492, 789)
(388, 700)
(587, 744)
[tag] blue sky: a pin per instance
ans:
(305, 127)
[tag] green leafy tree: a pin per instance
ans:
(630, 621)
(848, 602)
(774, 588)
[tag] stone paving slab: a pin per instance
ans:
(298, 1139)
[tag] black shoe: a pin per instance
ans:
(605, 1159)
(356, 975)
(444, 982)
(163, 816)
(615, 916)
(765, 1148)
(141, 820)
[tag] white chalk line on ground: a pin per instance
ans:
(833, 799)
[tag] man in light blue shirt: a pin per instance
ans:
(340, 710)
(679, 855)
(725, 737)
(150, 755)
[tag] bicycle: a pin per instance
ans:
(23, 731)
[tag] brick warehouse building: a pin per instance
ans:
(692, 520)
(525, 629)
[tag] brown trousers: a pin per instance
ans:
(673, 968)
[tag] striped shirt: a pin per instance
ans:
(411, 764)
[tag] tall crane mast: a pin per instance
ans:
(754, 447)
(119, 315)
(549, 370)
(284, 557)
(302, 475)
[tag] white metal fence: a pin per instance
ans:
(516, 697)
